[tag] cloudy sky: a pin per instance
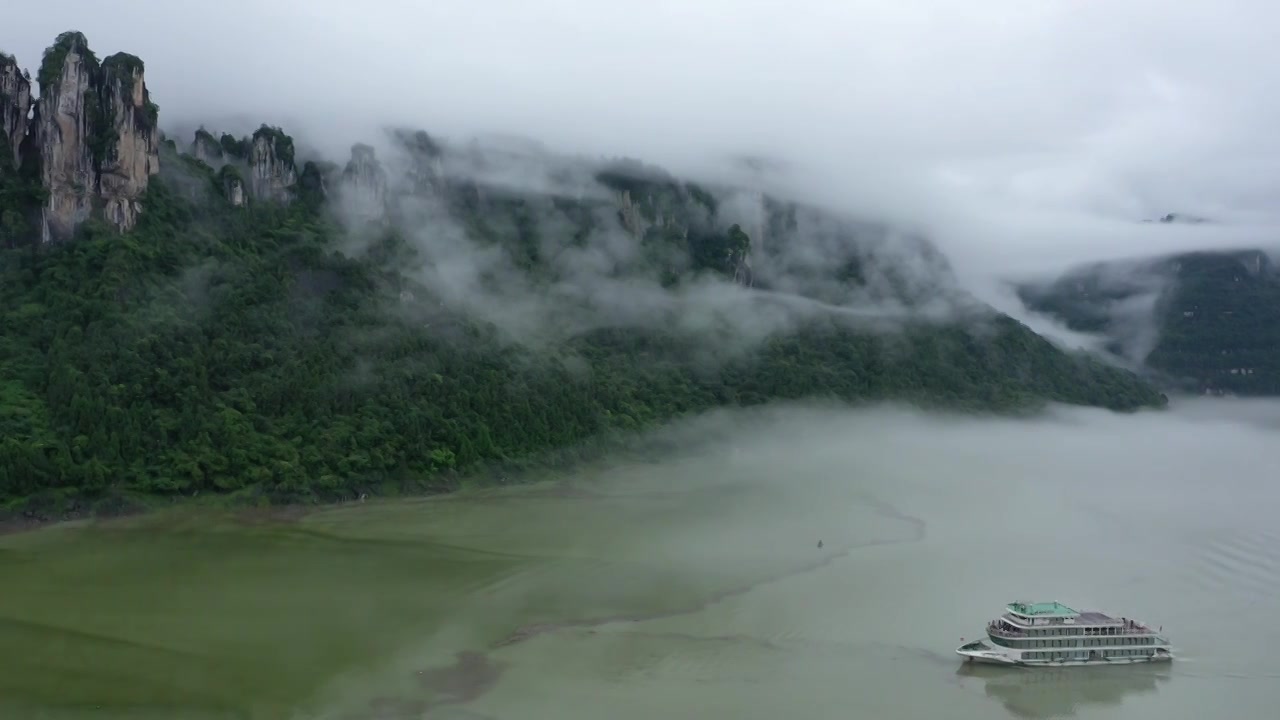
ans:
(1023, 135)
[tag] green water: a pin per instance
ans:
(687, 588)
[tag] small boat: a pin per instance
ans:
(1052, 634)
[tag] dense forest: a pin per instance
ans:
(238, 340)
(1210, 320)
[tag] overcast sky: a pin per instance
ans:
(1024, 134)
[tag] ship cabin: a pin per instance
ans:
(1043, 621)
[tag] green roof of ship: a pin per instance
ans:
(1052, 609)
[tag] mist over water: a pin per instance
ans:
(690, 583)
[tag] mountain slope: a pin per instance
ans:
(228, 317)
(1206, 322)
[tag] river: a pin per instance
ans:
(691, 586)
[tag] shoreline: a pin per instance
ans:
(17, 523)
(249, 509)
(254, 505)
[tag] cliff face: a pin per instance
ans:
(63, 118)
(363, 190)
(15, 105)
(272, 174)
(206, 148)
(132, 140)
(232, 185)
(94, 130)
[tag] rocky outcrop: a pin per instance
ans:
(231, 183)
(206, 149)
(272, 174)
(63, 118)
(15, 106)
(132, 140)
(94, 130)
(315, 180)
(424, 172)
(363, 190)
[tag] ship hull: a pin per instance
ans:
(997, 658)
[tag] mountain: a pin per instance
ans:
(1180, 219)
(1206, 322)
(224, 315)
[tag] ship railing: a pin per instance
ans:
(1121, 630)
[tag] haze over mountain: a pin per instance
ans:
(1205, 322)
(989, 130)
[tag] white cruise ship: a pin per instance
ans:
(1053, 634)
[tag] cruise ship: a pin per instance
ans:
(1050, 633)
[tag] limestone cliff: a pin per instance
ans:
(15, 106)
(231, 183)
(272, 174)
(64, 115)
(132, 140)
(363, 190)
(94, 130)
(205, 148)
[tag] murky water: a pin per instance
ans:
(691, 587)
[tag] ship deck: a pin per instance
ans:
(1088, 623)
(1091, 617)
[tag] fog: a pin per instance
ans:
(802, 471)
(1021, 135)
(836, 442)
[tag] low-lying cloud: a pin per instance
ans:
(594, 271)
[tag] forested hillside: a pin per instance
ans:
(224, 317)
(1205, 322)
